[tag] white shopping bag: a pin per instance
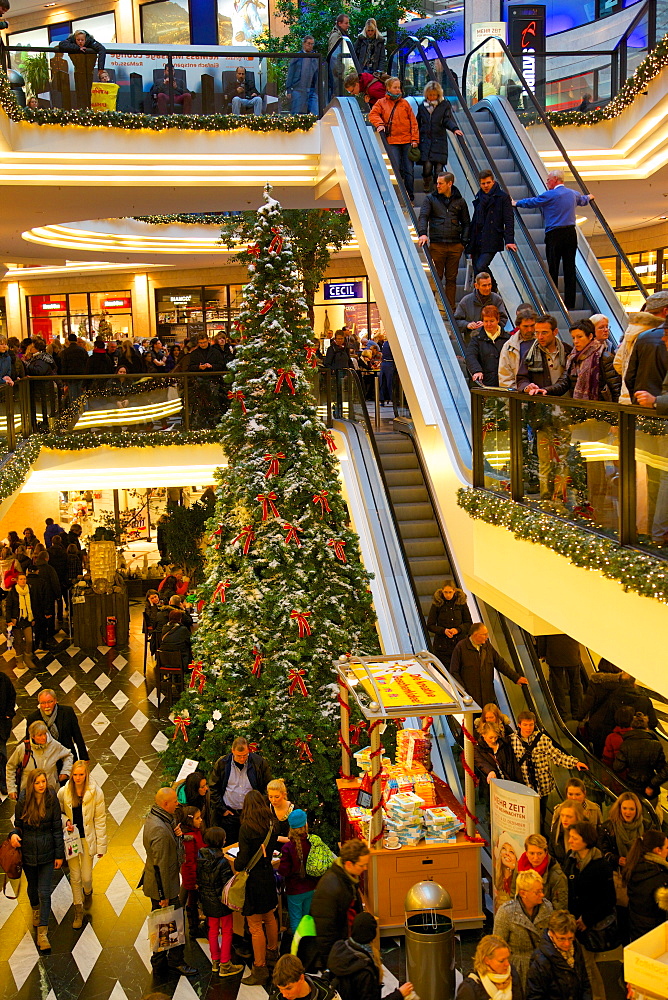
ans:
(166, 928)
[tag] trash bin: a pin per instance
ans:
(430, 941)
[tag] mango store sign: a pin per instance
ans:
(515, 813)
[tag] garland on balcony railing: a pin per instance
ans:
(132, 120)
(14, 472)
(648, 69)
(644, 574)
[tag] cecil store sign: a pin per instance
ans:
(343, 291)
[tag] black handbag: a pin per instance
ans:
(603, 936)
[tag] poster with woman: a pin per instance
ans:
(515, 813)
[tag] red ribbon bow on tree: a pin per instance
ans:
(296, 681)
(248, 536)
(197, 675)
(276, 244)
(285, 375)
(301, 618)
(328, 438)
(220, 591)
(321, 498)
(304, 749)
(257, 663)
(239, 327)
(254, 250)
(356, 730)
(337, 544)
(274, 465)
(292, 535)
(311, 355)
(267, 501)
(216, 534)
(180, 725)
(239, 396)
(268, 304)
(199, 606)
(253, 747)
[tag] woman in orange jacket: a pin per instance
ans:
(393, 117)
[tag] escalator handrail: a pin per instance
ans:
(562, 149)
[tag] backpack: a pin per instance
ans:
(320, 858)
(10, 862)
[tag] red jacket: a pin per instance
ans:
(372, 88)
(404, 127)
(192, 843)
(612, 744)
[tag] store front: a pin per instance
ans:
(346, 302)
(88, 314)
(187, 313)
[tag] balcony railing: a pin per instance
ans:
(602, 466)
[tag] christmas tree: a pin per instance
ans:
(285, 590)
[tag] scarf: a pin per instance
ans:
(353, 878)
(587, 364)
(25, 607)
(626, 834)
(592, 855)
(393, 97)
(655, 859)
(524, 865)
(50, 721)
(497, 986)
(534, 360)
(568, 956)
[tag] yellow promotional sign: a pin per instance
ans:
(103, 96)
(401, 684)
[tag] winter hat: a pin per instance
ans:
(364, 928)
(297, 819)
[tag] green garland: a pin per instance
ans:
(648, 69)
(644, 574)
(15, 470)
(157, 123)
(205, 219)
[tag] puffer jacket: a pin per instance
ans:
(444, 220)
(43, 843)
(355, 973)
(213, 871)
(648, 895)
(404, 127)
(44, 757)
(638, 323)
(552, 978)
(642, 760)
(94, 815)
(448, 614)
(192, 845)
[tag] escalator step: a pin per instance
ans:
(419, 529)
(409, 494)
(399, 460)
(404, 477)
(418, 547)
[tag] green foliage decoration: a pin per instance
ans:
(184, 533)
(318, 19)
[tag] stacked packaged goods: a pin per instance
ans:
(441, 825)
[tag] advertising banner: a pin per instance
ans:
(515, 813)
(526, 33)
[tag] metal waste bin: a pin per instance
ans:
(430, 941)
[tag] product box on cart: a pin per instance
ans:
(646, 963)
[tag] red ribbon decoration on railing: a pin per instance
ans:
(321, 498)
(180, 725)
(274, 464)
(285, 375)
(267, 501)
(337, 544)
(197, 675)
(345, 710)
(399, 722)
(254, 250)
(301, 618)
(296, 681)
(427, 722)
(239, 396)
(257, 662)
(269, 304)
(220, 591)
(248, 536)
(292, 535)
(356, 729)
(328, 438)
(311, 355)
(304, 749)
(217, 533)
(276, 244)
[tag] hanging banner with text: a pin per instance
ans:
(515, 813)
(526, 33)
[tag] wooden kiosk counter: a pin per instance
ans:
(400, 687)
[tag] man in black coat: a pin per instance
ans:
(207, 394)
(473, 663)
(648, 363)
(444, 224)
(45, 591)
(7, 713)
(337, 894)
(231, 779)
(74, 361)
(61, 721)
(493, 224)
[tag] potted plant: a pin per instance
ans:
(35, 72)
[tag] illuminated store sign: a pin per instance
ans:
(51, 306)
(526, 30)
(340, 291)
(116, 303)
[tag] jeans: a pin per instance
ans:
(40, 887)
(560, 247)
(246, 102)
(81, 871)
(446, 257)
(304, 102)
(387, 370)
(221, 948)
(174, 956)
(402, 166)
(299, 905)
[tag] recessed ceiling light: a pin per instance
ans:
(663, 217)
(49, 5)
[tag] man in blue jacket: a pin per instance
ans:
(231, 779)
(302, 81)
(558, 206)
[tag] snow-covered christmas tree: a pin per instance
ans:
(285, 590)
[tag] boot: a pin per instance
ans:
(78, 916)
(227, 969)
(87, 898)
(42, 939)
(272, 956)
(35, 916)
(258, 977)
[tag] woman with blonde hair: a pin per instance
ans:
(280, 807)
(370, 48)
(493, 716)
(449, 620)
(39, 834)
(435, 120)
(493, 975)
(299, 887)
(621, 829)
(505, 872)
(571, 812)
(84, 813)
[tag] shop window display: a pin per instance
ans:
(346, 302)
(88, 314)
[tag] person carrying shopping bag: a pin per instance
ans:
(85, 823)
